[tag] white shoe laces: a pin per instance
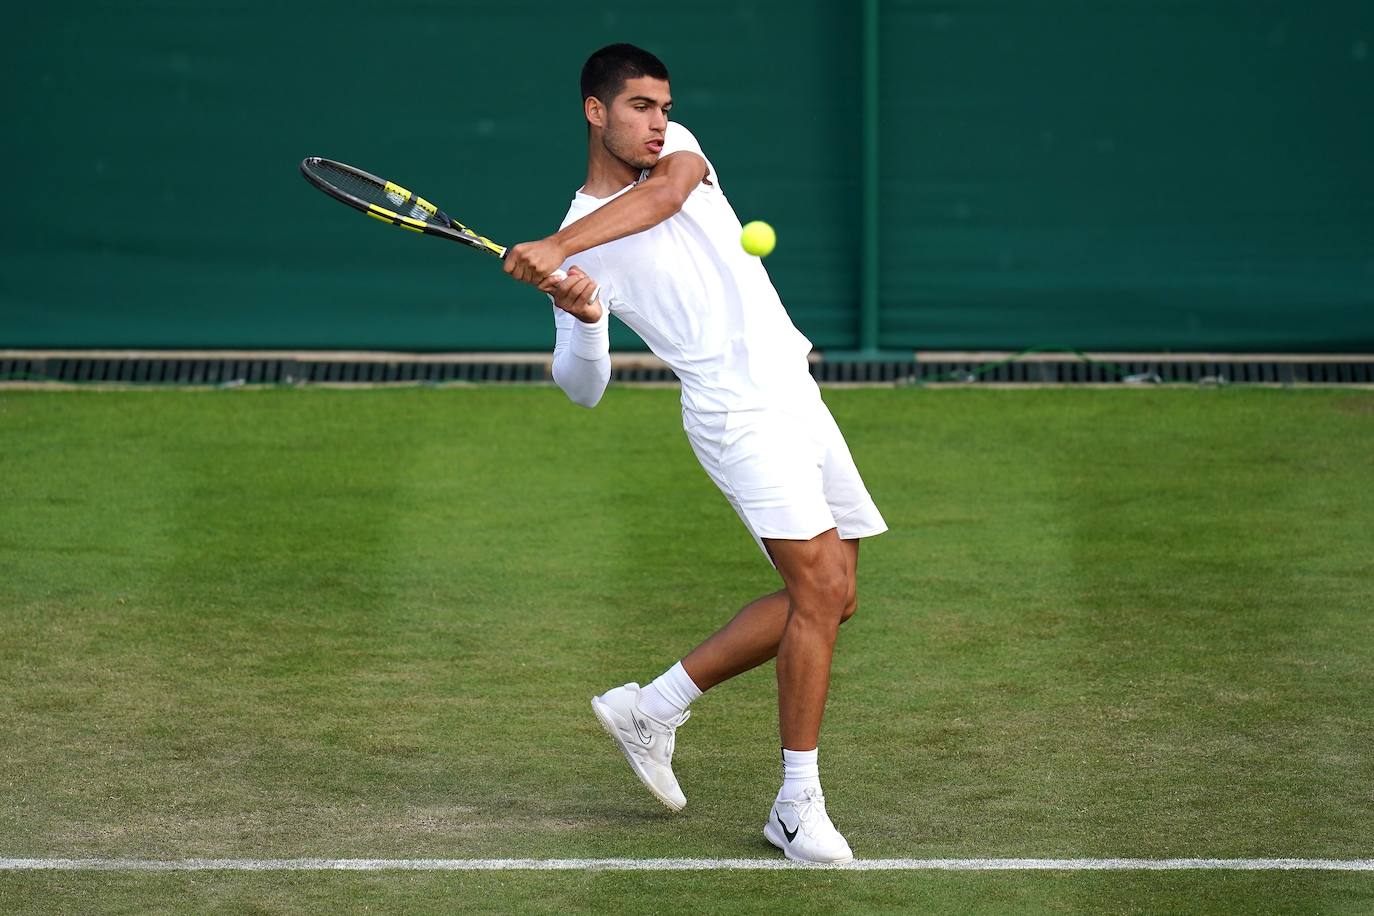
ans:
(671, 727)
(811, 810)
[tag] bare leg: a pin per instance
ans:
(819, 582)
(747, 641)
(753, 635)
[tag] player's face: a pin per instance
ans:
(636, 121)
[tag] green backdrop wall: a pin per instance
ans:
(1139, 174)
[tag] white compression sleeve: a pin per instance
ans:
(582, 356)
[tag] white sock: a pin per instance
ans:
(799, 773)
(669, 695)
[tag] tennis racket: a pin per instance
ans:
(391, 203)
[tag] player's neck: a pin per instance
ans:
(605, 173)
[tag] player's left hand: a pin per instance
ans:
(577, 294)
(532, 262)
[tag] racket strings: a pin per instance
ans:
(370, 192)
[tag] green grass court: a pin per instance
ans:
(323, 623)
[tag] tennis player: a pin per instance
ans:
(657, 244)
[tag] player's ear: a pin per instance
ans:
(594, 110)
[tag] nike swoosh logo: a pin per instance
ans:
(791, 834)
(644, 737)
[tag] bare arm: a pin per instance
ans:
(658, 197)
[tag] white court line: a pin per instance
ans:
(257, 865)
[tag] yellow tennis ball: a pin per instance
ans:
(758, 238)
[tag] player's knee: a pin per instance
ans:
(825, 594)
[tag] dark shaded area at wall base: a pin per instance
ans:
(903, 368)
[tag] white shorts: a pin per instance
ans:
(787, 472)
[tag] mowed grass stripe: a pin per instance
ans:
(365, 624)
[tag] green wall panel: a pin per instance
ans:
(1132, 174)
(158, 146)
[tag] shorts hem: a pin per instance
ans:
(850, 534)
(796, 537)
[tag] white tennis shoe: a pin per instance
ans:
(802, 830)
(645, 741)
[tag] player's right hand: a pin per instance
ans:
(532, 262)
(576, 295)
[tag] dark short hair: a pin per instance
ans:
(606, 71)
